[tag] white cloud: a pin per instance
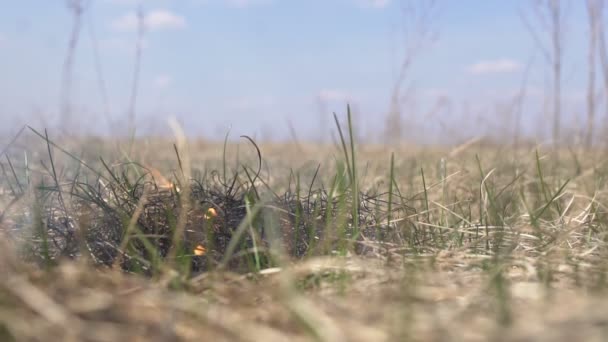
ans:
(161, 19)
(373, 3)
(334, 95)
(234, 3)
(246, 3)
(155, 20)
(133, 2)
(162, 81)
(123, 2)
(497, 66)
(231, 3)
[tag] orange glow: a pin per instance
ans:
(161, 182)
(200, 250)
(211, 213)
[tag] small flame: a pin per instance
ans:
(161, 182)
(200, 250)
(211, 213)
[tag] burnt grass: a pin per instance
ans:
(91, 215)
(94, 228)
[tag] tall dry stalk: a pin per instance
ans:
(603, 54)
(76, 7)
(417, 30)
(136, 71)
(519, 105)
(549, 21)
(101, 83)
(593, 9)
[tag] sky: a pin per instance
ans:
(275, 69)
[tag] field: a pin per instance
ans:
(179, 240)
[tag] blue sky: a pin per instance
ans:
(255, 65)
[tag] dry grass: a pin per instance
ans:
(492, 244)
